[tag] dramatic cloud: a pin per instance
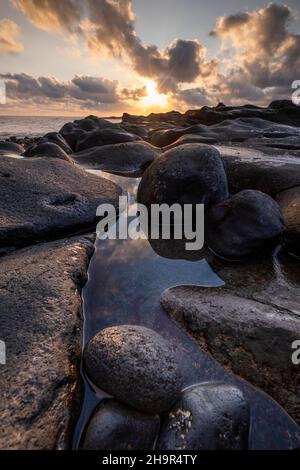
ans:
(9, 37)
(108, 25)
(267, 54)
(81, 91)
(259, 56)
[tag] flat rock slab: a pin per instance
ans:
(42, 197)
(248, 325)
(40, 318)
(265, 169)
(128, 159)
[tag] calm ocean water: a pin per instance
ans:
(33, 126)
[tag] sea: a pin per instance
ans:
(33, 126)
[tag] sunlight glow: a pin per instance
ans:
(153, 97)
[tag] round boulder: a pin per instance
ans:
(47, 149)
(136, 366)
(188, 174)
(244, 225)
(114, 426)
(10, 148)
(209, 416)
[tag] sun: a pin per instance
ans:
(154, 99)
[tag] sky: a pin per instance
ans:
(106, 57)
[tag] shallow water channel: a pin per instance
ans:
(125, 281)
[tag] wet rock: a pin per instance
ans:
(41, 324)
(114, 426)
(244, 225)
(190, 174)
(43, 197)
(10, 148)
(141, 131)
(289, 202)
(283, 112)
(130, 158)
(191, 139)
(136, 366)
(266, 170)
(91, 122)
(249, 324)
(49, 150)
(209, 416)
(71, 133)
(56, 138)
(106, 136)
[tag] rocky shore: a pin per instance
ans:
(243, 164)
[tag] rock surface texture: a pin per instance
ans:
(63, 199)
(136, 366)
(41, 325)
(209, 416)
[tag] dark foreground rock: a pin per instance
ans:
(244, 225)
(130, 159)
(190, 174)
(289, 202)
(41, 318)
(136, 366)
(249, 324)
(114, 426)
(43, 197)
(209, 416)
(47, 149)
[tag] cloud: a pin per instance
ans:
(9, 37)
(95, 91)
(259, 56)
(267, 53)
(108, 25)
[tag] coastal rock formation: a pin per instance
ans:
(115, 426)
(209, 416)
(129, 159)
(249, 324)
(244, 225)
(63, 199)
(190, 174)
(268, 170)
(136, 366)
(41, 325)
(11, 148)
(47, 149)
(106, 136)
(56, 138)
(281, 111)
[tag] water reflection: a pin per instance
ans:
(126, 279)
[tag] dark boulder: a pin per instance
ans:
(189, 174)
(209, 416)
(47, 149)
(115, 426)
(135, 365)
(10, 148)
(130, 158)
(106, 136)
(244, 225)
(56, 138)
